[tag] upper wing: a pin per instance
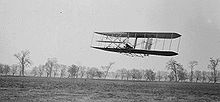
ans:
(160, 35)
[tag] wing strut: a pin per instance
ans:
(178, 45)
(135, 40)
(171, 41)
(163, 43)
(155, 42)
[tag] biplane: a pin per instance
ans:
(136, 43)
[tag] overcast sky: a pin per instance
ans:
(64, 29)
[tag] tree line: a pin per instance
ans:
(175, 71)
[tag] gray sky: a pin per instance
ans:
(64, 29)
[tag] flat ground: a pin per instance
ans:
(35, 89)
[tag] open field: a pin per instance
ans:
(35, 89)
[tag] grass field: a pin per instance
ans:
(35, 89)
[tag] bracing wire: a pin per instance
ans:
(163, 44)
(178, 44)
(171, 41)
(155, 43)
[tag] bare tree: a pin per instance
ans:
(192, 64)
(159, 75)
(99, 74)
(182, 74)
(149, 75)
(82, 71)
(50, 65)
(41, 70)
(62, 70)
(128, 74)
(34, 71)
(107, 68)
(24, 60)
(136, 74)
(209, 76)
(171, 76)
(198, 75)
(218, 75)
(117, 74)
(6, 69)
(123, 73)
(204, 76)
(73, 71)
(1, 68)
(14, 69)
(174, 66)
(165, 75)
(111, 74)
(87, 72)
(92, 72)
(55, 70)
(213, 65)
(120, 73)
